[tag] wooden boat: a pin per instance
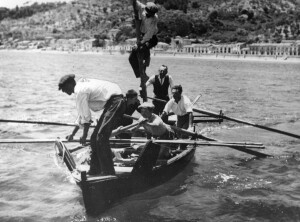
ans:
(100, 192)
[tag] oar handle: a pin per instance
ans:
(164, 101)
(130, 117)
(122, 129)
(159, 100)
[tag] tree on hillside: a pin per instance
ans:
(174, 4)
(175, 22)
(126, 32)
(199, 27)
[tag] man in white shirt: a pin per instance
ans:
(96, 95)
(181, 106)
(161, 84)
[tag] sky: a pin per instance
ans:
(13, 3)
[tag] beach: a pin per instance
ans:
(264, 58)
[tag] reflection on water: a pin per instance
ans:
(221, 184)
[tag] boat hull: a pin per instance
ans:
(100, 192)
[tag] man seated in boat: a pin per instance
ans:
(155, 127)
(161, 84)
(96, 95)
(182, 107)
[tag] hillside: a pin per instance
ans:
(205, 20)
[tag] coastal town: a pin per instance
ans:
(79, 26)
(184, 46)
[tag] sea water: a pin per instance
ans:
(220, 184)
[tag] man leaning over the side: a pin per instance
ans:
(96, 95)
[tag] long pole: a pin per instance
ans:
(36, 122)
(245, 122)
(188, 142)
(164, 101)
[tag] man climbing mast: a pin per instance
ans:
(146, 29)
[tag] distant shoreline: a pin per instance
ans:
(232, 57)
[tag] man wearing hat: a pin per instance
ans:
(132, 103)
(146, 39)
(155, 127)
(161, 84)
(96, 95)
(153, 124)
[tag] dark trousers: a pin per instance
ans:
(143, 52)
(159, 105)
(101, 156)
(183, 122)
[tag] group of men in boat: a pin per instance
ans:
(96, 95)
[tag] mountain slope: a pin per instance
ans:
(219, 20)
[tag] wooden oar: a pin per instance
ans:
(244, 122)
(196, 135)
(252, 152)
(36, 122)
(164, 101)
(115, 132)
(188, 142)
(122, 129)
(230, 145)
(238, 147)
(159, 100)
(196, 99)
(34, 141)
(242, 148)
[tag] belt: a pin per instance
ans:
(116, 96)
(183, 115)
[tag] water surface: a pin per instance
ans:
(220, 184)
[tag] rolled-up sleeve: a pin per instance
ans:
(84, 112)
(168, 106)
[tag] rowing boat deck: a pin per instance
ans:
(122, 169)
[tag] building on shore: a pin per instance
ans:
(266, 49)
(288, 48)
(275, 49)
